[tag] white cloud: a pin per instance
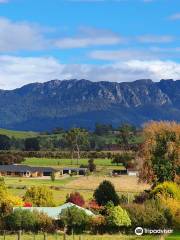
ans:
(87, 37)
(19, 36)
(18, 71)
(15, 36)
(117, 55)
(86, 42)
(156, 39)
(175, 16)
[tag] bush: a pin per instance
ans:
(151, 214)
(117, 218)
(91, 165)
(39, 196)
(76, 198)
(106, 193)
(26, 220)
(43, 222)
(94, 206)
(174, 208)
(74, 219)
(21, 220)
(98, 224)
(123, 199)
(167, 189)
(142, 197)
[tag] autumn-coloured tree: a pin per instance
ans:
(93, 205)
(76, 198)
(160, 153)
(39, 196)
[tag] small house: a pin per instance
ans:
(17, 170)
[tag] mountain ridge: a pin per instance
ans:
(69, 103)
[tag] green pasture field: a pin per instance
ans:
(82, 237)
(66, 162)
(18, 187)
(59, 196)
(18, 134)
(18, 181)
(62, 187)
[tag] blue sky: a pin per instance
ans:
(111, 40)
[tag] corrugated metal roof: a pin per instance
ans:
(74, 169)
(54, 212)
(25, 168)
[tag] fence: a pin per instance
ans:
(20, 235)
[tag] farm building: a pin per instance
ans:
(54, 212)
(117, 172)
(129, 172)
(132, 172)
(76, 171)
(26, 171)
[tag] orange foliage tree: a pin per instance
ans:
(160, 152)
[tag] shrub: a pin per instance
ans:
(142, 197)
(91, 165)
(98, 224)
(123, 199)
(26, 220)
(13, 200)
(93, 205)
(43, 222)
(117, 217)
(6, 197)
(167, 189)
(174, 208)
(151, 214)
(75, 219)
(20, 220)
(5, 209)
(27, 204)
(76, 198)
(39, 196)
(106, 193)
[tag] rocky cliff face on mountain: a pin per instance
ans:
(69, 103)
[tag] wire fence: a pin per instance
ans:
(20, 235)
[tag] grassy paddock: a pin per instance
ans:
(65, 162)
(15, 181)
(85, 185)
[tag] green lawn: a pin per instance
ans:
(82, 237)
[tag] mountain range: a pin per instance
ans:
(70, 103)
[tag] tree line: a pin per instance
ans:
(75, 139)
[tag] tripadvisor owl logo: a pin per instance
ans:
(139, 231)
